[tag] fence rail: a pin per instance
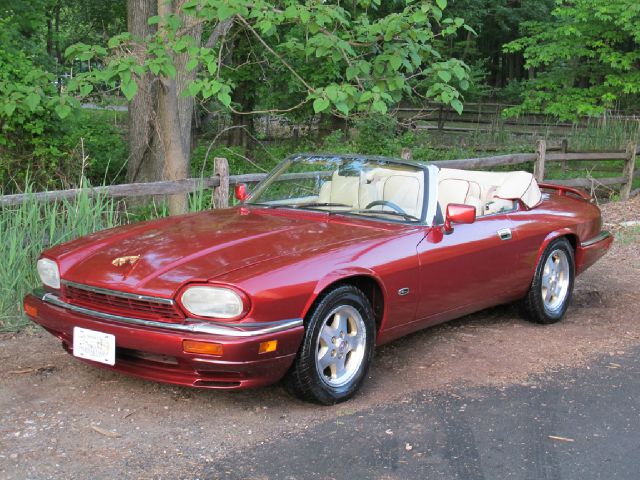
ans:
(221, 180)
(489, 113)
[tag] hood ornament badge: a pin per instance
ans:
(130, 260)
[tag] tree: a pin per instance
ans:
(496, 22)
(588, 57)
(33, 74)
(334, 59)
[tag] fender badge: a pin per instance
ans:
(120, 261)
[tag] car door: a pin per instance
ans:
(467, 270)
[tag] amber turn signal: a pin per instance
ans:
(207, 348)
(266, 347)
(30, 310)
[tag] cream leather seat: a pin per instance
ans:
(351, 191)
(404, 189)
(340, 189)
(489, 192)
(458, 190)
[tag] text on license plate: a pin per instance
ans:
(96, 346)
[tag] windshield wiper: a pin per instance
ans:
(299, 205)
(320, 204)
(271, 205)
(406, 216)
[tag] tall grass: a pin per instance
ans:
(33, 226)
(604, 134)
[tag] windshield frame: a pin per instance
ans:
(428, 190)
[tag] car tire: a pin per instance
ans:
(337, 348)
(552, 285)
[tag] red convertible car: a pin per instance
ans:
(328, 257)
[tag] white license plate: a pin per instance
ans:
(96, 346)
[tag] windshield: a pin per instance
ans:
(345, 185)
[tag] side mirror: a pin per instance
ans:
(458, 213)
(240, 192)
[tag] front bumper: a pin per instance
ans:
(154, 350)
(589, 251)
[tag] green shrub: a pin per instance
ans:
(87, 142)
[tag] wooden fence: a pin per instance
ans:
(221, 181)
(489, 118)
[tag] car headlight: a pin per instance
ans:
(49, 272)
(215, 302)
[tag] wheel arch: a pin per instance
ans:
(567, 233)
(366, 281)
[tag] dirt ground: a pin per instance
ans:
(64, 419)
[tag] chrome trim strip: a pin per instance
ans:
(210, 328)
(598, 238)
(116, 293)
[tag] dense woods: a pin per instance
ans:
(179, 64)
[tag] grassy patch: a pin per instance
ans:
(628, 235)
(28, 229)
(31, 227)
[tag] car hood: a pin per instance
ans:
(201, 247)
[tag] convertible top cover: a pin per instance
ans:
(504, 185)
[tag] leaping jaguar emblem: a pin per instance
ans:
(120, 261)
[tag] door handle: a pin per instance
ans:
(504, 234)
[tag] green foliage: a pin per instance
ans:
(589, 57)
(28, 97)
(320, 54)
(495, 22)
(87, 143)
(40, 122)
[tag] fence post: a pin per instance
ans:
(627, 172)
(538, 166)
(440, 118)
(564, 148)
(221, 192)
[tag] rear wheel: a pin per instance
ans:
(552, 285)
(337, 348)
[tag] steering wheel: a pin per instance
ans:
(386, 203)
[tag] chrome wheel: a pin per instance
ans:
(341, 346)
(556, 278)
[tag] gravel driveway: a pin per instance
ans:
(65, 419)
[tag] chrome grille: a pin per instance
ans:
(122, 303)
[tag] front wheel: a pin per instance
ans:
(550, 291)
(337, 348)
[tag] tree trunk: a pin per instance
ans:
(56, 44)
(186, 103)
(145, 161)
(160, 117)
(49, 36)
(175, 160)
(170, 129)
